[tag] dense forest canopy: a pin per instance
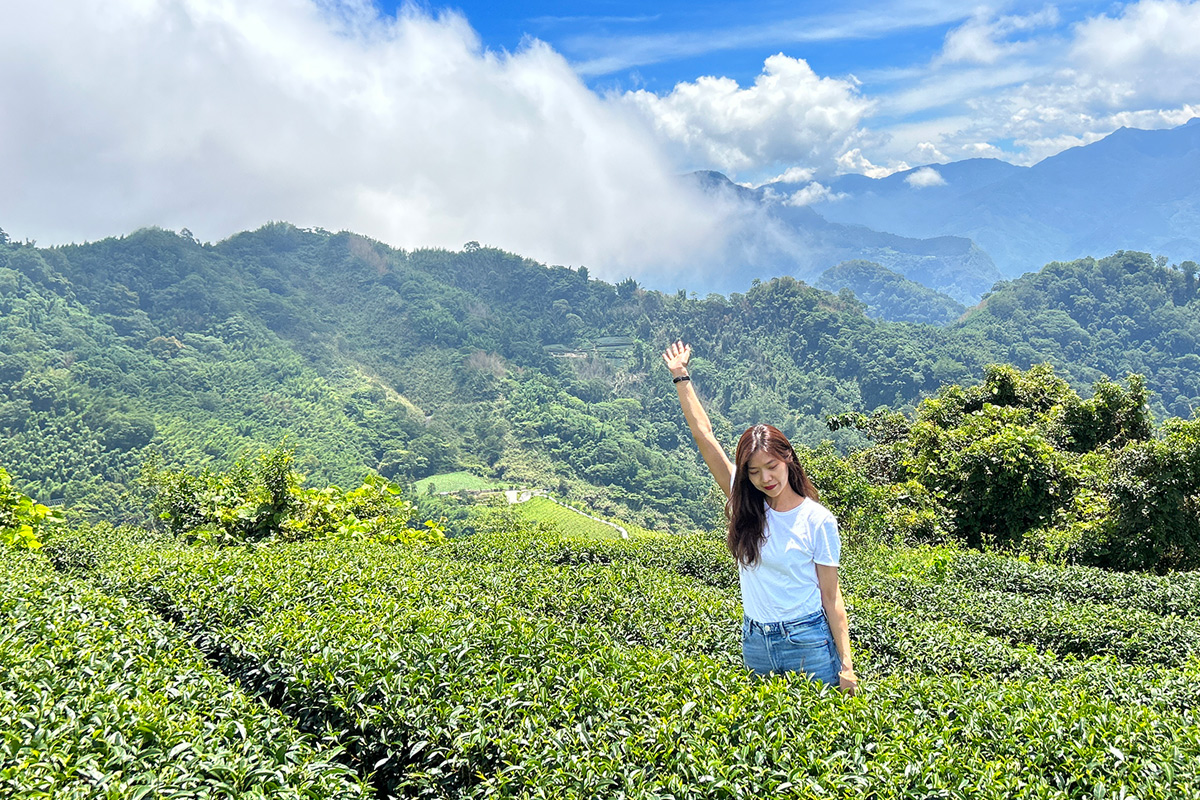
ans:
(368, 358)
(889, 295)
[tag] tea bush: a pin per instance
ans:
(1177, 594)
(101, 699)
(504, 666)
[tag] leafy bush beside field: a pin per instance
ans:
(1023, 463)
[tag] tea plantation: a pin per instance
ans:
(529, 661)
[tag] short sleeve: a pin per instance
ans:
(827, 542)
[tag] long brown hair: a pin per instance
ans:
(747, 518)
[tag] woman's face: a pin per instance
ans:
(768, 474)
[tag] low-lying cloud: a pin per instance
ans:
(221, 116)
(924, 178)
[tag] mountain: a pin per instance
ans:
(796, 240)
(889, 295)
(1133, 190)
(410, 363)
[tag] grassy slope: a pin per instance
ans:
(567, 520)
(455, 482)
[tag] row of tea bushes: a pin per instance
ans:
(1045, 621)
(564, 518)
(1177, 594)
(701, 557)
(101, 699)
(896, 641)
(450, 676)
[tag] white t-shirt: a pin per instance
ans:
(783, 585)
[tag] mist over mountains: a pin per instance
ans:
(958, 228)
(796, 240)
(1132, 190)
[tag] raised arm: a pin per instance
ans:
(676, 358)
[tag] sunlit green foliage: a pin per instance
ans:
(455, 482)
(262, 498)
(23, 520)
(568, 520)
(1154, 502)
(410, 364)
(1022, 462)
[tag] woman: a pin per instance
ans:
(786, 545)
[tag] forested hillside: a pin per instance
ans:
(411, 363)
(889, 295)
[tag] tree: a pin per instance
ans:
(1155, 503)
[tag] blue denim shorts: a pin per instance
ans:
(803, 645)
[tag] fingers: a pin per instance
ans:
(676, 351)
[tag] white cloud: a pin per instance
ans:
(981, 150)
(853, 161)
(928, 153)
(812, 193)
(1023, 88)
(986, 40)
(1148, 54)
(789, 115)
(1044, 119)
(220, 116)
(793, 175)
(924, 178)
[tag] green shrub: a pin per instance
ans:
(1022, 463)
(996, 479)
(1155, 500)
(23, 521)
(262, 498)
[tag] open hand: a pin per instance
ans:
(676, 358)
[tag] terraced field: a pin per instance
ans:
(534, 664)
(570, 521)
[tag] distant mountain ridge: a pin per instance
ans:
(1132, 190)
(799, 241)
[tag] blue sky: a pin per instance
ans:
(558, 132)
(926, 67)
(627, 45)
